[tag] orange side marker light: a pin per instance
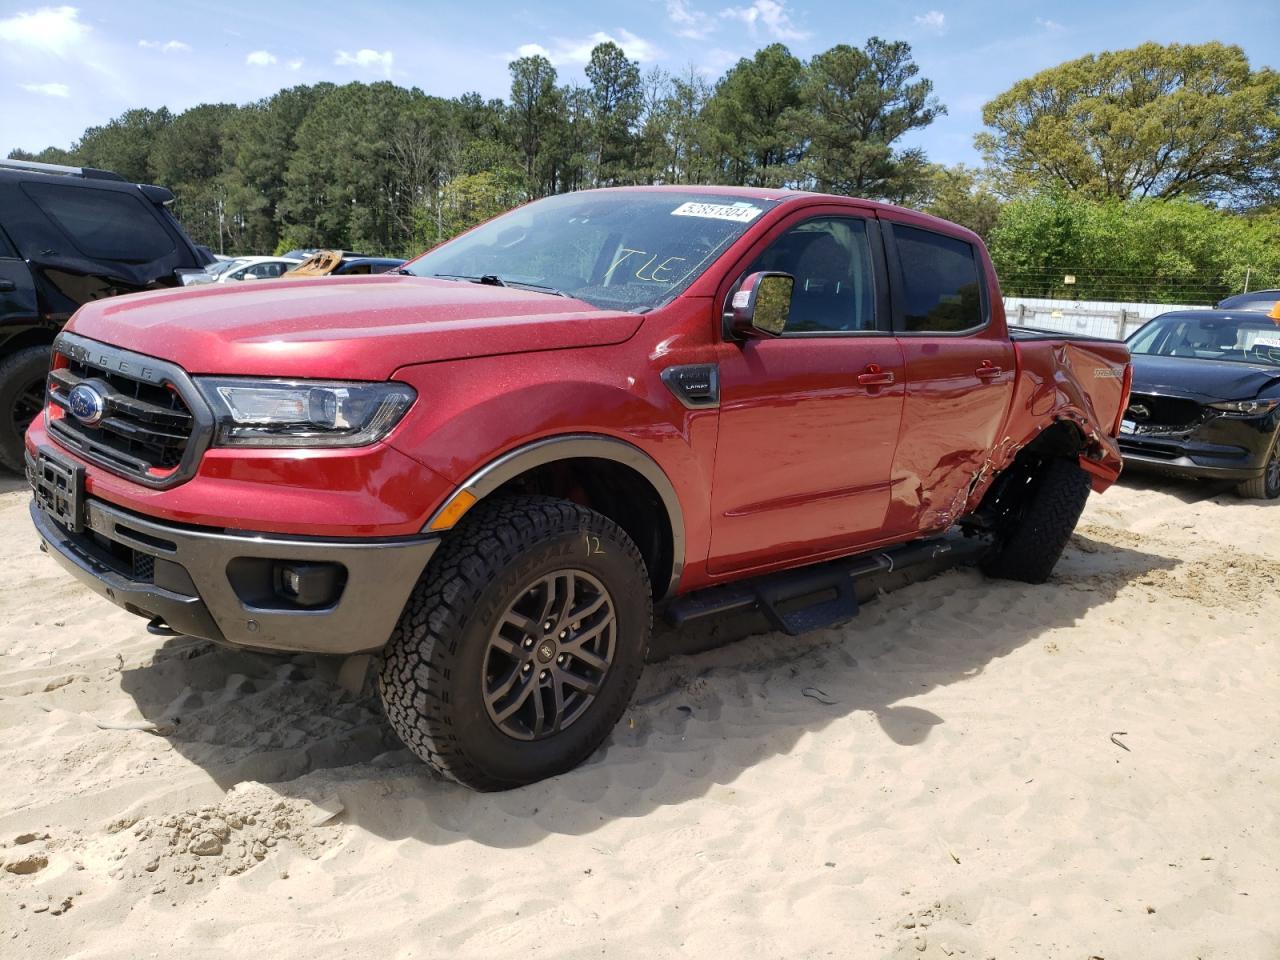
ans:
(453, 510)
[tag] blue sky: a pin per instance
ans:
(65, 67)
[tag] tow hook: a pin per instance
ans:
(157, 627)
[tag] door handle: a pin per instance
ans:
(988, 372)
(873, 376)
(7, 285)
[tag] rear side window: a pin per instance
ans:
(941, 282)
(103, 224)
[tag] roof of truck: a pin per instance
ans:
(784, 195)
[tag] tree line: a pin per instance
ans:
(1076, 157)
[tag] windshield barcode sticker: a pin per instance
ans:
(737, 212)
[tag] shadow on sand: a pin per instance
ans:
(1187, 489)
(244, 716)
(12, 482)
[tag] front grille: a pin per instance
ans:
(144, 566)
(115, 556)
(146, 429)
(1154, 450)
(1150, 412)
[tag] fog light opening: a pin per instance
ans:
(307, 584)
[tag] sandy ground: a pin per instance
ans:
(971, 769)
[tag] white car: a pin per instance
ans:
(244, 268)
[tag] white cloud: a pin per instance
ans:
(686, 22)
(935, 21)
(716, 61)
(53, 30)
(1053, 26)
(365, 59)
(296, 64)
(771, 14)
(578, 52)
(260, 58)
(48, 89)
(173, 46)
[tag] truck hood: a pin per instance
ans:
(1205, 380)
(353, 328)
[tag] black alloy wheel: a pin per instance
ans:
(27, 405)
(521, 644)
(22, 385)
(1265, 486)
(549, 655)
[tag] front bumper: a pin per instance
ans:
(1189, 458)
(214, 584)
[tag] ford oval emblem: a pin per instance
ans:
(86, 404)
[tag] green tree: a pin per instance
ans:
(615, 108)
(189, 156)
(536, 110)
(47, 155)
(341, 182)
(465, 201)
(1170, 251)
(261, 141)
(1155, 121)
(856, 104)
(124, 144)
(745, 127)
(691, 159)
(962, 195)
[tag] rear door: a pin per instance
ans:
(959, 371)
(17, 288)
(809, 421)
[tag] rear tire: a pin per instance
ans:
(1034, 536)
(22, 379)
(1267, 486)
(472, 675)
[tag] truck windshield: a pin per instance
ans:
(612, 249)
(1209, 336)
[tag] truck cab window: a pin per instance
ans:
(940, 280)
(830, 259)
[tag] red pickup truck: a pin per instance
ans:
(492, 465)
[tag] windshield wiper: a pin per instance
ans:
(540, 287)
(493, 280)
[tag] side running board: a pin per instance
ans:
(822, 595)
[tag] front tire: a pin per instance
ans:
(22, 384)
(1267, 486)
(1034, 534)
(521, 644)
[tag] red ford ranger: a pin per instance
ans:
(490, 466)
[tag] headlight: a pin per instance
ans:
(1247, 408)
(302, 413)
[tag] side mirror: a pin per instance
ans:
(761, 305)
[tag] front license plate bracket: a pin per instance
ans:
(58, 486)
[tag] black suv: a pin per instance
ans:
(67, 236)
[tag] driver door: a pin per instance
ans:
(809, 421)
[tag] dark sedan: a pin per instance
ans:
(1206, 387)
(1261, 301)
